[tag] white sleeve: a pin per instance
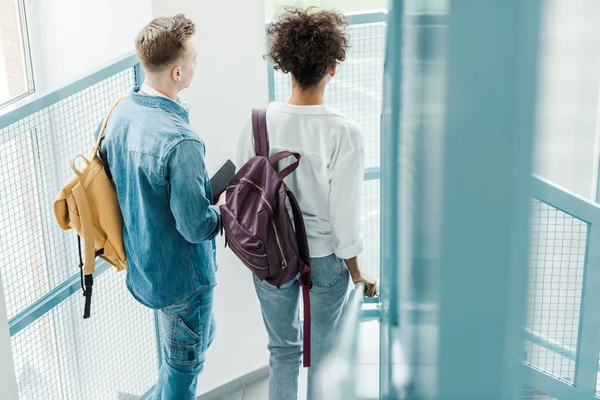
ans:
(344, 202)
(245, 145)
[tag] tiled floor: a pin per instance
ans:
(368, 370)
(260, 390)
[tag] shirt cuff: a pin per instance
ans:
(217, 210)
(350, 251)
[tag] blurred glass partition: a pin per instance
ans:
(567, 146)
(411, 143)
(457, 137)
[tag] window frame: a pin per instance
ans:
(25, 49)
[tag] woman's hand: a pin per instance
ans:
(370, 283)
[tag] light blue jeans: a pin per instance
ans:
(280, 310)
(187, 329)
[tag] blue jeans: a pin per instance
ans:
(281, 314)
(187, 329)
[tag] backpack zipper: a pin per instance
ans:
(236, 249)
(262, 197)
(240, 247)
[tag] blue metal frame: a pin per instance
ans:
(361, 18)
(271, 80)
(37, 102)
(372, 174)
(566, 201)
(549, 344)
(51, 300)
(420, 19)
(138, 74)
(369, 314)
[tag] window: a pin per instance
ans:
(273, 7)
(567, 145)
(16, 79)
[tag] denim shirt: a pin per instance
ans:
(157, 163)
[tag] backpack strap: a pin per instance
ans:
(307, 322)
(290, 168)
(88, 242)
(303, 250)
(103, 126)
(305, 279)
(259, 127)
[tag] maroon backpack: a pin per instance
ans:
(257, 225)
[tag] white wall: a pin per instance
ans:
(230, 79)
(8, 381)
(72, 37)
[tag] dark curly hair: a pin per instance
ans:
(308, 43)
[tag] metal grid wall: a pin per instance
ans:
(110, 355)
(61, 356)
(558, 249)
(356, 91)
(35, 156)
(369, 224)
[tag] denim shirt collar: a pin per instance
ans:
(160, 102)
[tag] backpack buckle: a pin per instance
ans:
(89, 282)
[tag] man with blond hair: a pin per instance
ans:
(169, 223)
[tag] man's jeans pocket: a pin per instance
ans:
(185, 344)
(180, 326)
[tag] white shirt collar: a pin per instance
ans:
(150, 91)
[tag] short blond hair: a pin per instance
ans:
(163, 41)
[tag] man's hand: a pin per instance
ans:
(222, 199)
(371, 284)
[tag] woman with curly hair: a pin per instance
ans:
(309, 44)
